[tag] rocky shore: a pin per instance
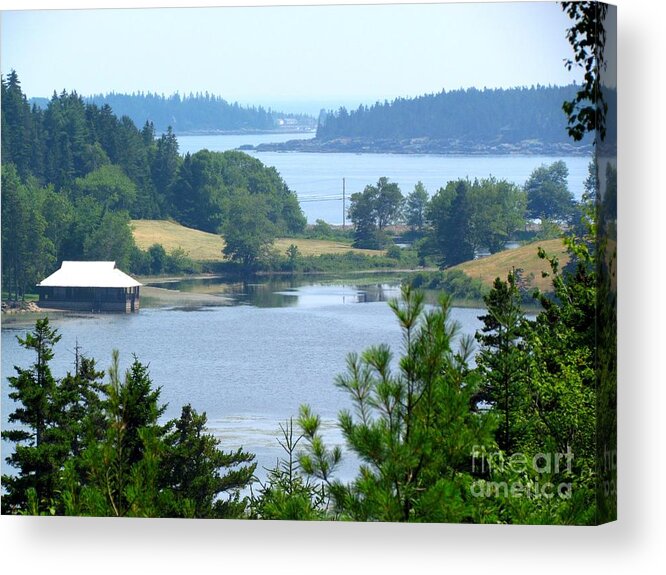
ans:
(427, 146)
(13, 306)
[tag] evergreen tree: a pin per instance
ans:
(17, 126)
(80, 404)
(118, 474)
(27, 251)
(413, 430)
(450, 215)
(14, 237)
(502, 360)
(192, 468)
(164, 164)
(415, 208)
(461, 120)
(287, 493)
(39, 450)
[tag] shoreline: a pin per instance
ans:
(425, 146)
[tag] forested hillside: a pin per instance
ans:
(470, 115)
(469, 121)
(195, 113)
(74, 174)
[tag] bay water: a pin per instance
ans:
(317, 178)
(249, 363)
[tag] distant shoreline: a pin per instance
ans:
(247, 132)
(425, 146)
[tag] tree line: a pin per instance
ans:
(85, 446)
(488, 116)
(200, 112)
(465, 216)
(74, 175)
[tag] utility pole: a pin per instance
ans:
(344, 205)
(77, 356)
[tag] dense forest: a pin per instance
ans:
(489, 115)
(529, 120)
(75, 174)
(202, 113)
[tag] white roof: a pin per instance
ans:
(89, 274)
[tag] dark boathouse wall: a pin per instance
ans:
(125, 300)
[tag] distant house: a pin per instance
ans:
(89, 286)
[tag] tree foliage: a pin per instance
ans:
(75, 174)
(461, 118)
(193, 467)
(450, 217)
(372, 210)
(249, 232)
(199, 112)
(413, 429)
(85, 447)
(586, 111)
(498, 211)
(39, 450)
(501, 360)
(210, 183)
(415, 208)
(287, 493)
(548, 195)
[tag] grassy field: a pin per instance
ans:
(203, 246)
(525, 257)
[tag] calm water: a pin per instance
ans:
(317, 177)
(249, 365)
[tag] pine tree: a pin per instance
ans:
(450, 216)
(414, 429)
(415, 208)
(39, 451)
(17, 126)
(117, 471)
(193, 469)
(502, 360)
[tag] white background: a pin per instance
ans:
(633, 544)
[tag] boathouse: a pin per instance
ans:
(89, 286)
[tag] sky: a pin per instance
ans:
(270, 55)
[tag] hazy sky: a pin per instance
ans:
(277, 54)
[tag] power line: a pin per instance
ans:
(321, 199)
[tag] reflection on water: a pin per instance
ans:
(287, 292)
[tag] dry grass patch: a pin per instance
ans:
(199, 245)
(204, 246)
(319, 247)
(525, 257)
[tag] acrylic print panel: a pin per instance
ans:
(267, 263)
